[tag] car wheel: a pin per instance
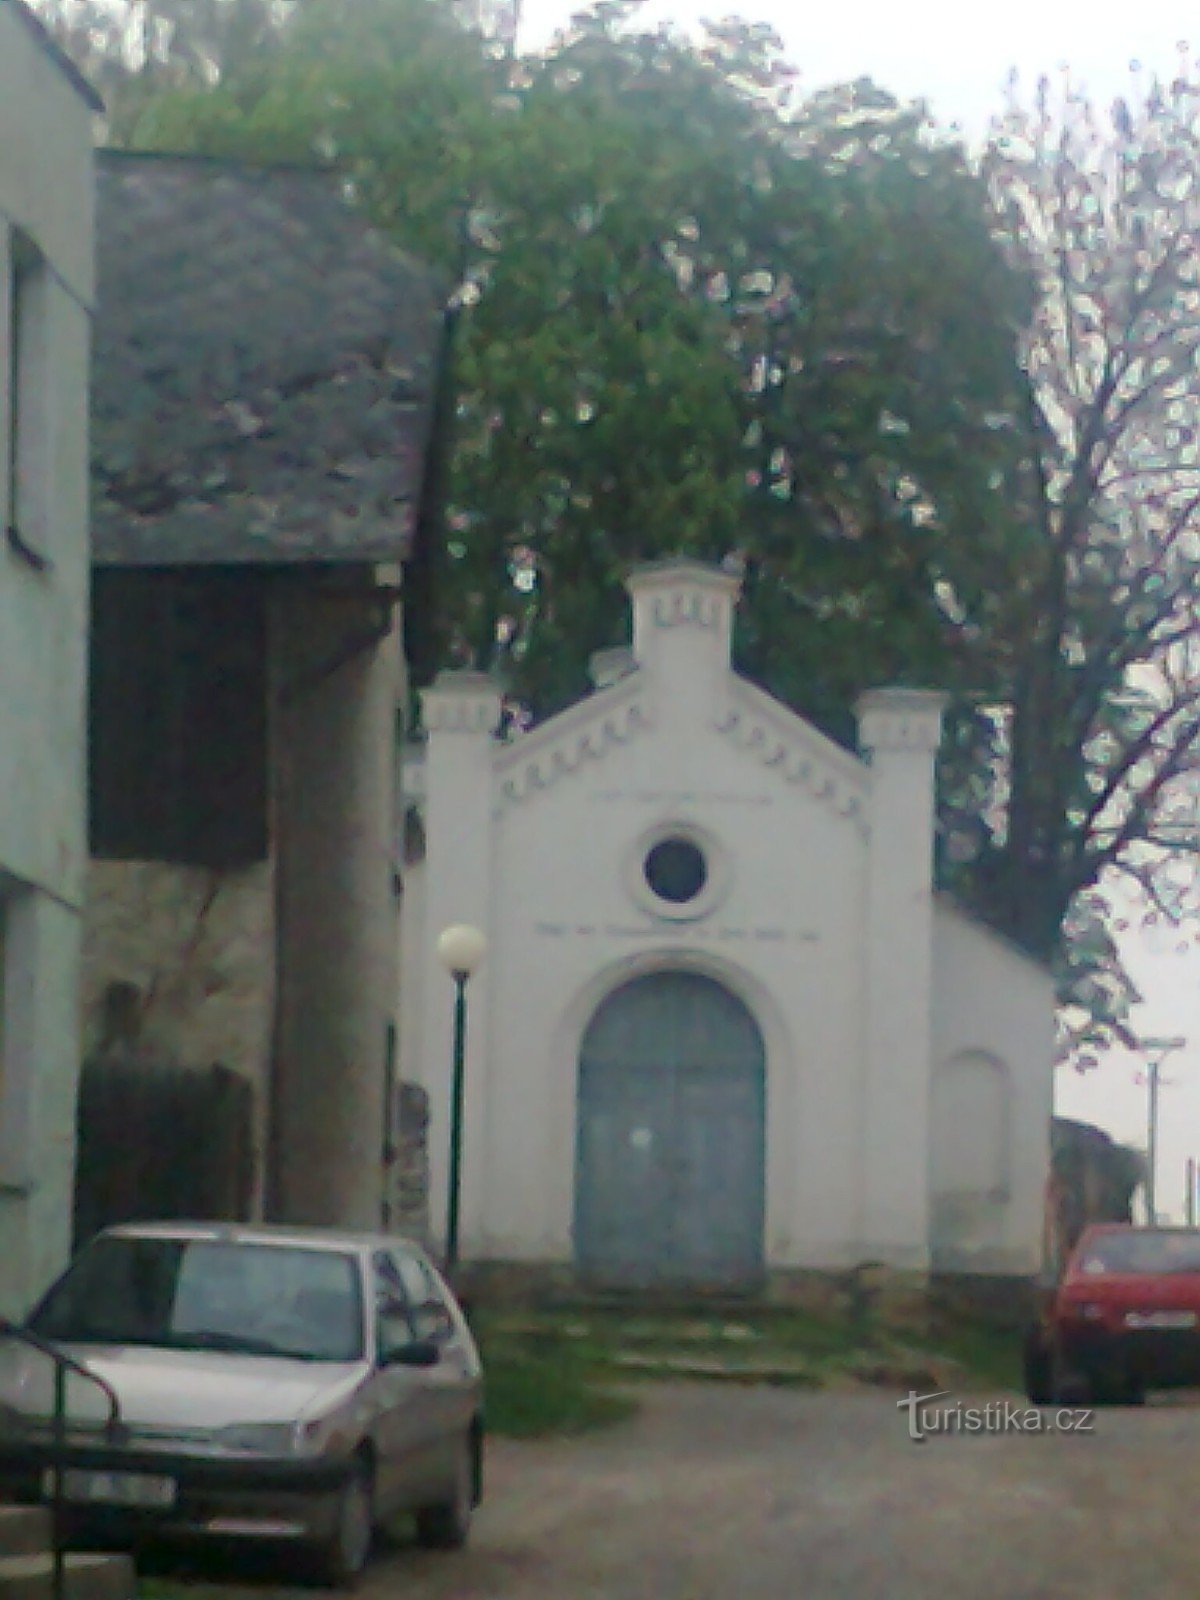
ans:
(1071, 1385)
(343, 1557)
(1104, 1391)
(1039, 1370)
(1135, 1392)
(447, 1525)
(1121, 1389)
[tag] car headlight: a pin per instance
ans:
(269, 1438)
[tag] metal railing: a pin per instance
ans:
(114, 1432)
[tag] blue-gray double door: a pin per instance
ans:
(670, 1178)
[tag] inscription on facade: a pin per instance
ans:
(676, 933)
(678, 797)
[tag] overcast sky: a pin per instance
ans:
(954, 54)
(958, 57)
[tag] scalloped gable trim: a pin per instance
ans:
(803, 756)
(752, 720)
(583, 733)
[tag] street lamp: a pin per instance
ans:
(461, 950)
(1159, 1050)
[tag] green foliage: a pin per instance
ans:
(781, 1346)
(687, 324)
(1101, 727)
(537, 1386)
(944, 416)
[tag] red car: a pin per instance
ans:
(1124, 1318)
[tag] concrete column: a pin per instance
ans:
(460, 714)
(899, 732)
(339, 681)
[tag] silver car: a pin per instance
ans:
(272, 1383)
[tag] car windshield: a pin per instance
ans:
(201, 1294)
(1142, 1250)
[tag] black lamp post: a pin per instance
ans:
(460, 949)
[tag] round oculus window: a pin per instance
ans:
(676, 871)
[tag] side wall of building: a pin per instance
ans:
(179, 970)
(284, 969)
(339, 694)
(991, 1100)
(46, 200)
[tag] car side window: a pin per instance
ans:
(431, 1318)
(393, 1319)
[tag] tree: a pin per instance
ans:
(691, 325)
(1093, 752)
(700, 313)
(135, 50)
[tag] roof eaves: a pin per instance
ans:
(951, 903)
(47, 43)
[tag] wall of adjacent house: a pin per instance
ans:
(196, 947)
(281, 968)
(990, 1100)
(179, 937)
(339, 692)
(179, 968)
(46, 261)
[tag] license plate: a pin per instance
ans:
(1160, 1319)
(137, 1489)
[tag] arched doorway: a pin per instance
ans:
(670, 1173)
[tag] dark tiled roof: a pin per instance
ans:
(50, 46)
(263, 370)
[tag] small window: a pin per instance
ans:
(18, 946)
(3, 997)
(676, 870)
(27, 377)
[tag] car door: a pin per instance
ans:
(453, 1383)
(405, 1428)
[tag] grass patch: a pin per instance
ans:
(549, 1365)
(991, 1355)
(546, 1384)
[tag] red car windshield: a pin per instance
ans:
(1153, 1252)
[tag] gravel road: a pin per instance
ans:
(715, 1492)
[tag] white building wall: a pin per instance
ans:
(900, 731)
(818, 915)
(46, 203)
(784, 938)
(540, 843)
(993, 1002)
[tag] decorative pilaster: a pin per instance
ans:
(900, 731)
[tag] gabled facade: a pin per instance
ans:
(46, 287)
(725, 1027)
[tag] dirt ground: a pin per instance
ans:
(715, 1492)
